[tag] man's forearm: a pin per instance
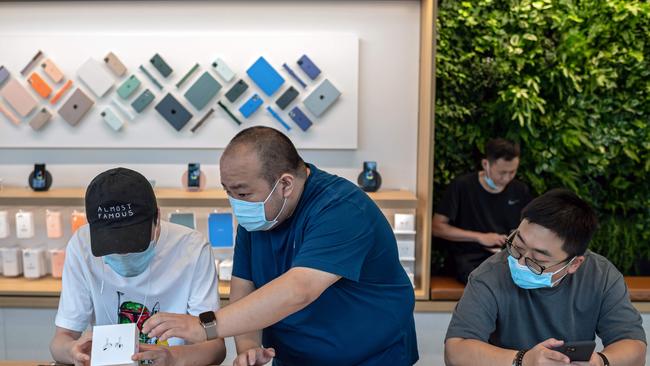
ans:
(207, 353)
(60, 348)
(626, 352)
(471, 352)
(262, 308)
(247, 341)
(452, 233)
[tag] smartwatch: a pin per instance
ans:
(209, 323)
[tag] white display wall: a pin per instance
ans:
(388, 66)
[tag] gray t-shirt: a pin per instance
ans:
(594, 300)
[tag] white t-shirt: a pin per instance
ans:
(181, 279)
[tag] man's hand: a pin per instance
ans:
(491, 241)
(80, 349)
(543, 355)
(255, 356)
(595, 360)
(167, 325)
(160, 355)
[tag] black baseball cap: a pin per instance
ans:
(121, 208)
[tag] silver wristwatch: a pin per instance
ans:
(209, 323)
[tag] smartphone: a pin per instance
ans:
(38, 181)
(114, 64)
(577, 351)
(193, 175)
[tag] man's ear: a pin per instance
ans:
(577, 262)
(288, 182)
(484, 164)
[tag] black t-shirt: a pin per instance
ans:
(470, 207)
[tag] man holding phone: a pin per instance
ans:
(546, 291)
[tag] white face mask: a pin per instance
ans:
(252, 215)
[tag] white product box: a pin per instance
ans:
(57, 259)
(406, 249)
(404, 222)
(54, 224)
(25, 225)
(114, 345)
(12, 261)
(4, 225)
(34, 263)
(225, 270)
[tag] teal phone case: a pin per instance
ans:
(129, 86)
(202, 91)
(142, 101)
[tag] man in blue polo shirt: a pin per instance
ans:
(316, 276)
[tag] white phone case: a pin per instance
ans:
(223, 70)
(34, 263)
(4, 225)
(24, 225)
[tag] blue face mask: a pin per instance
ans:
(132, 264)
(523, 277)
(252, 216)
(489, 180)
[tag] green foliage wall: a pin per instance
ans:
(569, 80)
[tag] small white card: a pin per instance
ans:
(114, 345)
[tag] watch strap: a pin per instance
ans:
(605, 360)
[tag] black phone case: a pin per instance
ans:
(577, 351)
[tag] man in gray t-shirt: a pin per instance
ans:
(544, 290)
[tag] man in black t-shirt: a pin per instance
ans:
(478, 210)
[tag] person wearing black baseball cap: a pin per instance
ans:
(127, 256)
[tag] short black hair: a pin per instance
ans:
(565, 214)
(500, 148)
(275, 150)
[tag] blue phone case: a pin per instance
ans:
(173, 112)
(183, 218)
(220, 230)
(308, 67)
(300, 118)
(251, 106)
(143, 100)
(265, 76)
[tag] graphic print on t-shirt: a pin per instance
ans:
(134, 312)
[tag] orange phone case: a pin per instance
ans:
(78, 220)
(39, 85)
(50, 68)
(60, 93)
(12, 117)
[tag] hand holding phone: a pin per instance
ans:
(580, 351)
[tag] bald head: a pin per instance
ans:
(264, 151)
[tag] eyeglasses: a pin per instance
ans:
(535, 267)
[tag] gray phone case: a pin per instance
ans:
(76, 107)
(202, 91)
(159, 63)
(236, 91)
(173, 112)
(287, 97)
(142, 101)
(4, 74)
(40, 119)
(322, 98)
